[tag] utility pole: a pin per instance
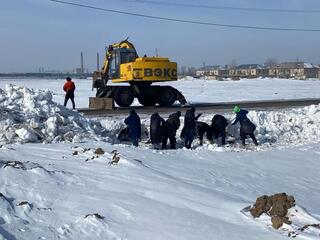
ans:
(157, 52)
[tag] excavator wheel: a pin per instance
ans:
(147, 100)
(167, 97)
(123, 97)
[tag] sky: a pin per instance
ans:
(41, 33)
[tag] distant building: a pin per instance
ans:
(296, 70)
(249, 70)
(209, 72)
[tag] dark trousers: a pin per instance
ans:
(69, 95)
(222, 135)
(244, 136)
(189, 137)
(135, 141)
(172, 139)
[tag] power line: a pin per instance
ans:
(186, 21)
(225, 7)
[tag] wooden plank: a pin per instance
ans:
(101, 103)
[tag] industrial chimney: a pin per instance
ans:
(82, 67)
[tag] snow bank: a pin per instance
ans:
(290, 126)
(281, 128)
(32, 116)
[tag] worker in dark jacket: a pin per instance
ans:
(156, 124)
(218, 127)
(246, 126)
(201, 129)
(69, 87)
(169, 130)
(190, 126)
(134, 124)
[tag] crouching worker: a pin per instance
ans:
(246, 126)
(156, 125)
(218, 127)
(69, 88)
(169, 130)
(134, 124)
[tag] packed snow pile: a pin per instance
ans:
(281, 128)
(289, 126)
(281, 212)
(32, 116)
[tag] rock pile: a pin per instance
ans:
(276, 206)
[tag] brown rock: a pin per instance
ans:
(281, 202)
(290, 201)
(275, 205)
(99, 151)
(278, 209)
(277, 222)
(261, 206)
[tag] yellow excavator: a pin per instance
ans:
(123, 65)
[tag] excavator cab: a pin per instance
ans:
(120, 56)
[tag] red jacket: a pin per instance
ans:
(69, 86)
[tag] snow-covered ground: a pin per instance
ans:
(64, 190)
(195, 90)
(180, 194)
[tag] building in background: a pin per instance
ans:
(294, 70)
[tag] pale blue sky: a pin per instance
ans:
(40, 33)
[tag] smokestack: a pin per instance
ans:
(82, 68)
(98, 62)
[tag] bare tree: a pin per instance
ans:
(271, 62)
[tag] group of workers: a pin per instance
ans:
(163, 130)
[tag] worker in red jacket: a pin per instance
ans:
(69, 88)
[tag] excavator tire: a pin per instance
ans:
(167, 97)
(123, 97)
(147, 100)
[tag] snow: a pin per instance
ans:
(32, 116)
(150, 194)
(62, 189)
(203, 91)
(195, 90)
